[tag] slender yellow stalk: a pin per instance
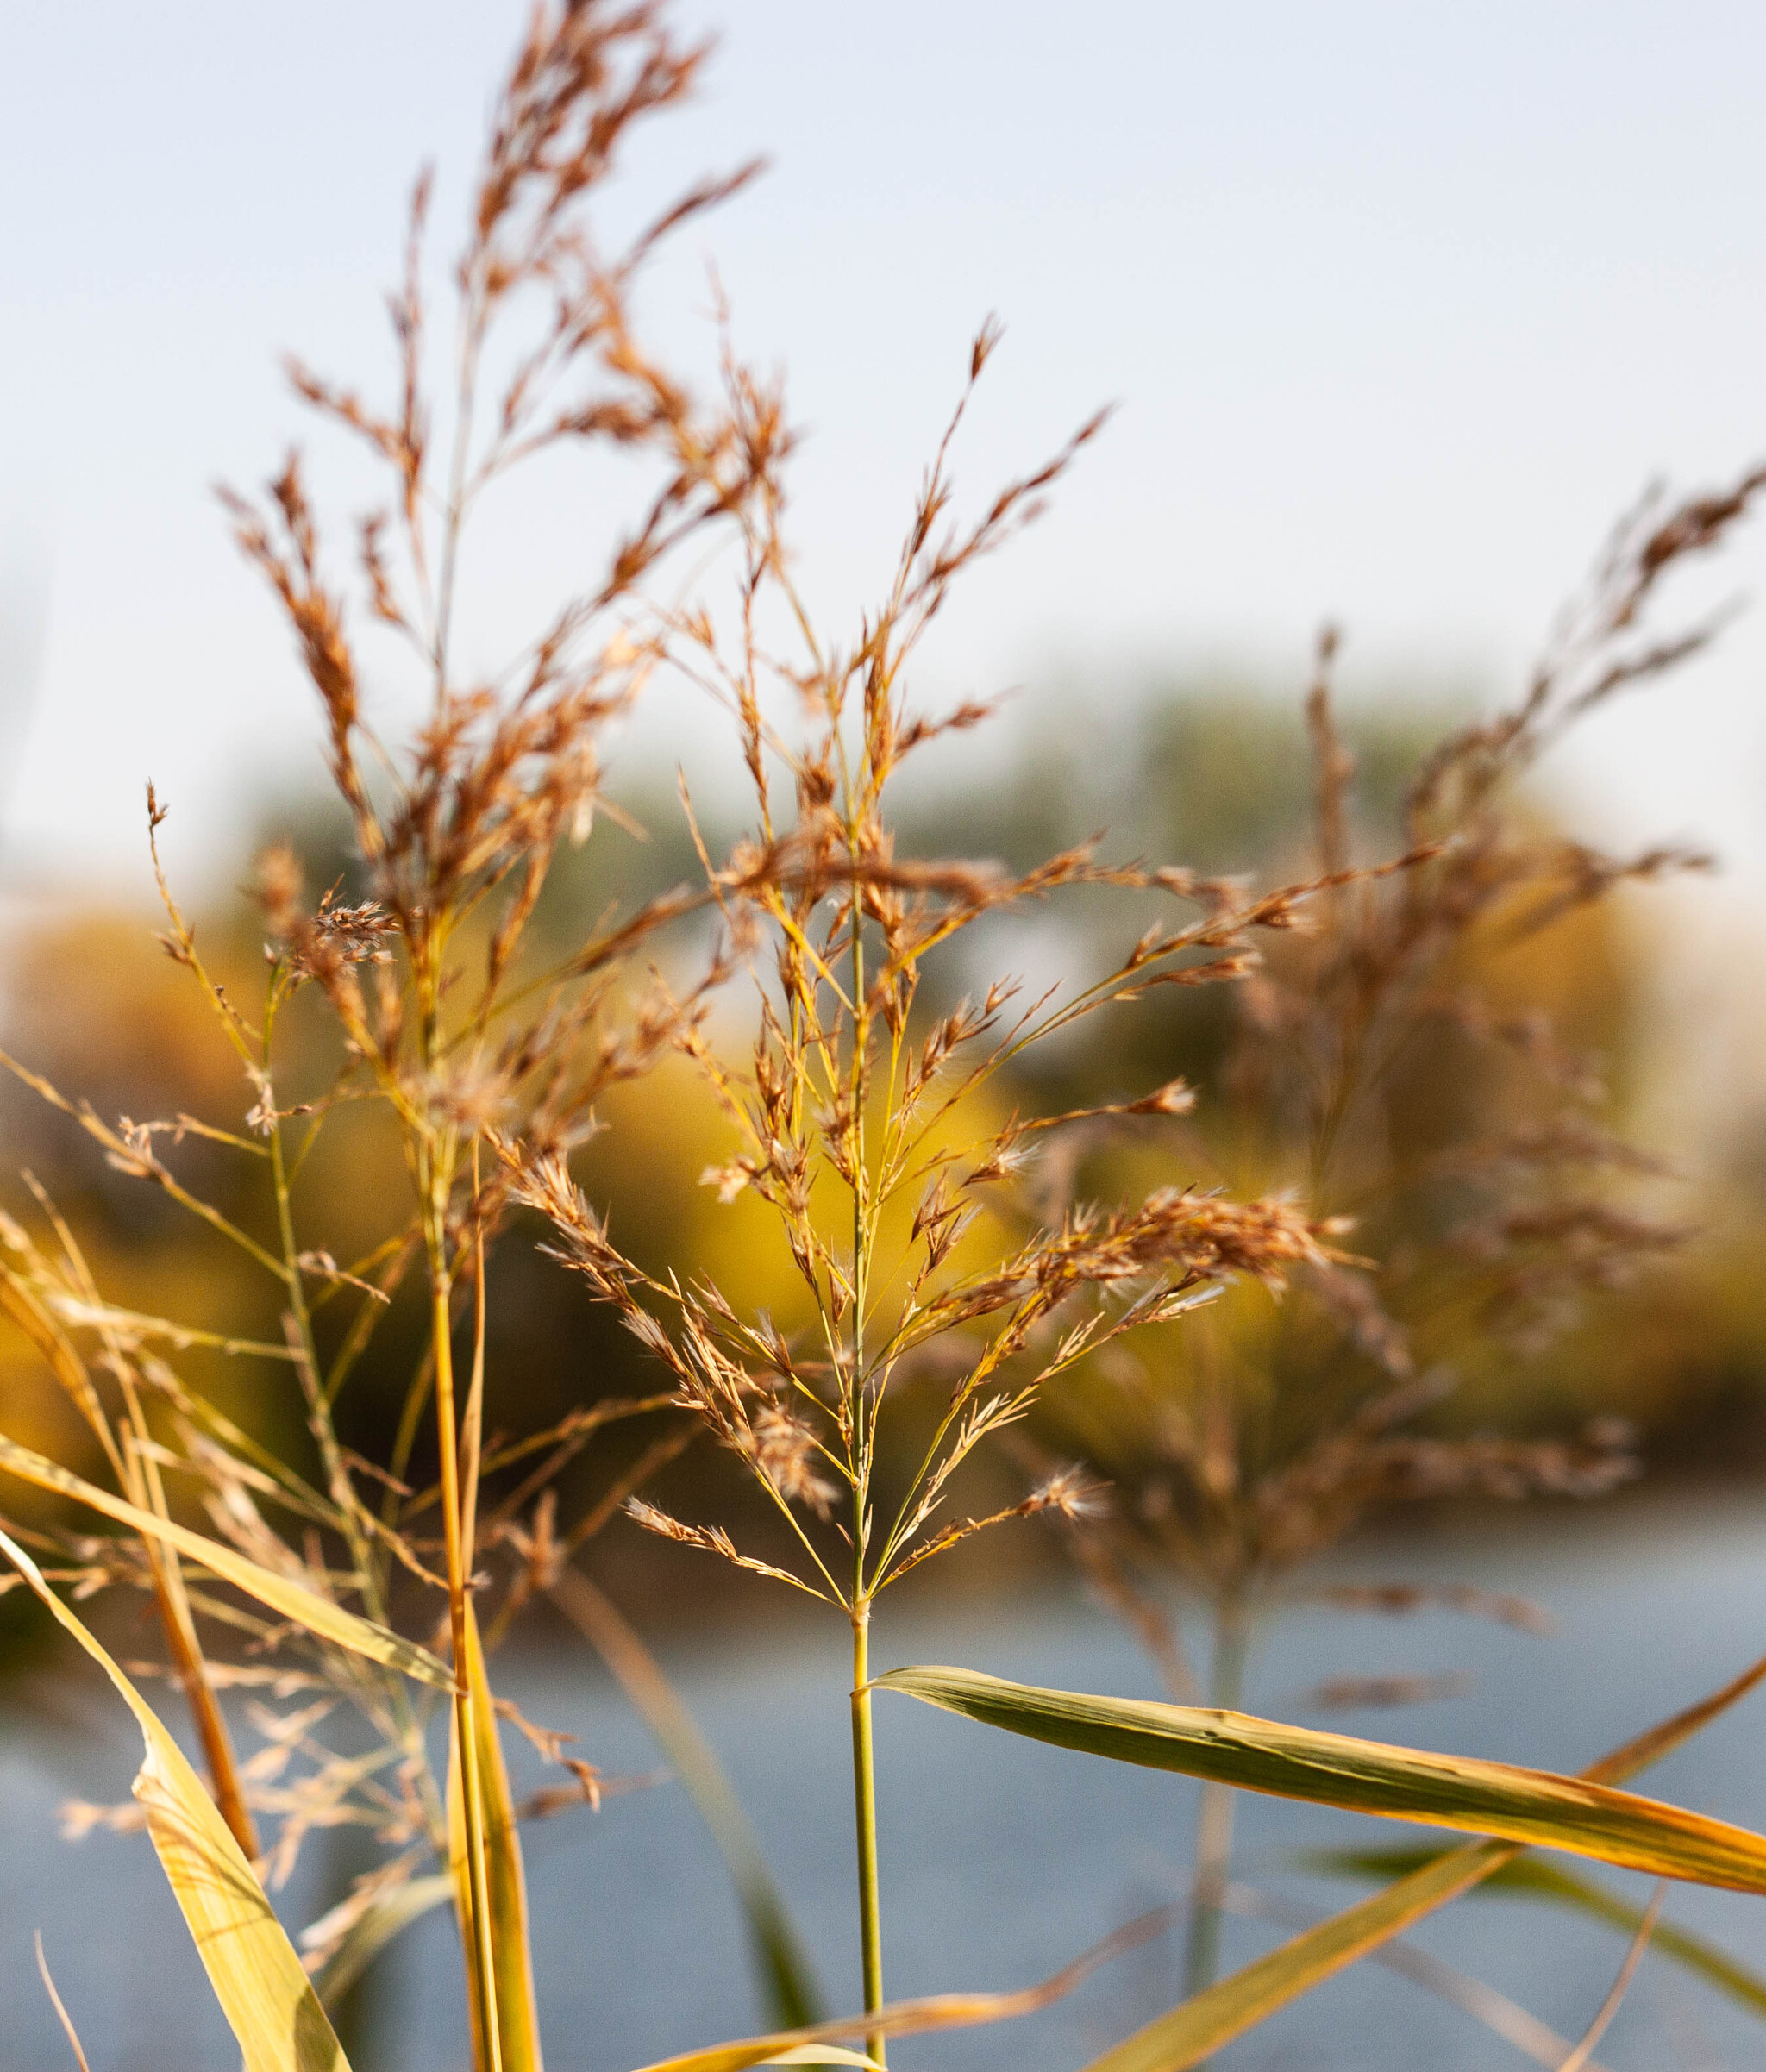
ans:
(478, 1927)
(472, 1439)
(864, 1778)
(865, 1803)
(434, 1170)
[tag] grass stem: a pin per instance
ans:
(864, 1783)
(480, 1955)
(1213, 1857)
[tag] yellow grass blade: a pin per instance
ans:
(1493, 1799)
(1202, 2026)
(1527, 1878)
(518, 2015)
(1188, 2034)
(388, 1916)
(1483, 2004)
(268, 1999)
(293, 1601)
(808, 2045)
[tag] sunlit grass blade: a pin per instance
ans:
(807, 2045)
(318, 1615)
(791, 1995)
(1495, 2011)
(1528, 1878)
(1200, 2026)
(518, 2015)
(389, 1916)
(22, 1303)
(1187, 2034)
(268, 1999)
(1493, 1798)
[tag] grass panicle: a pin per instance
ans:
(1213, 1304)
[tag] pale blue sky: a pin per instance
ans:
(1401, 303)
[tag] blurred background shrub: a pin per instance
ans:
(1215, 773)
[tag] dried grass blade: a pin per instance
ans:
(55, 2002)
(1203, 2024)
(318, 1615)
(389, 1916)
(1187, 2034)
(791, 1990)
(517, 2015)
(1557, 1885)
(1500, 2015)
(20, 1303)
(1373, 1777)
(916, 2018)
(1578, 2058)
(268, 1999)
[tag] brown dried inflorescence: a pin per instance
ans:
(872, 1135)
(504, 770)
(442, 1009)
(1379, 1063)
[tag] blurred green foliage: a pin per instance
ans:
(1216, 776)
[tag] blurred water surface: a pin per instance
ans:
(1001, 1859)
